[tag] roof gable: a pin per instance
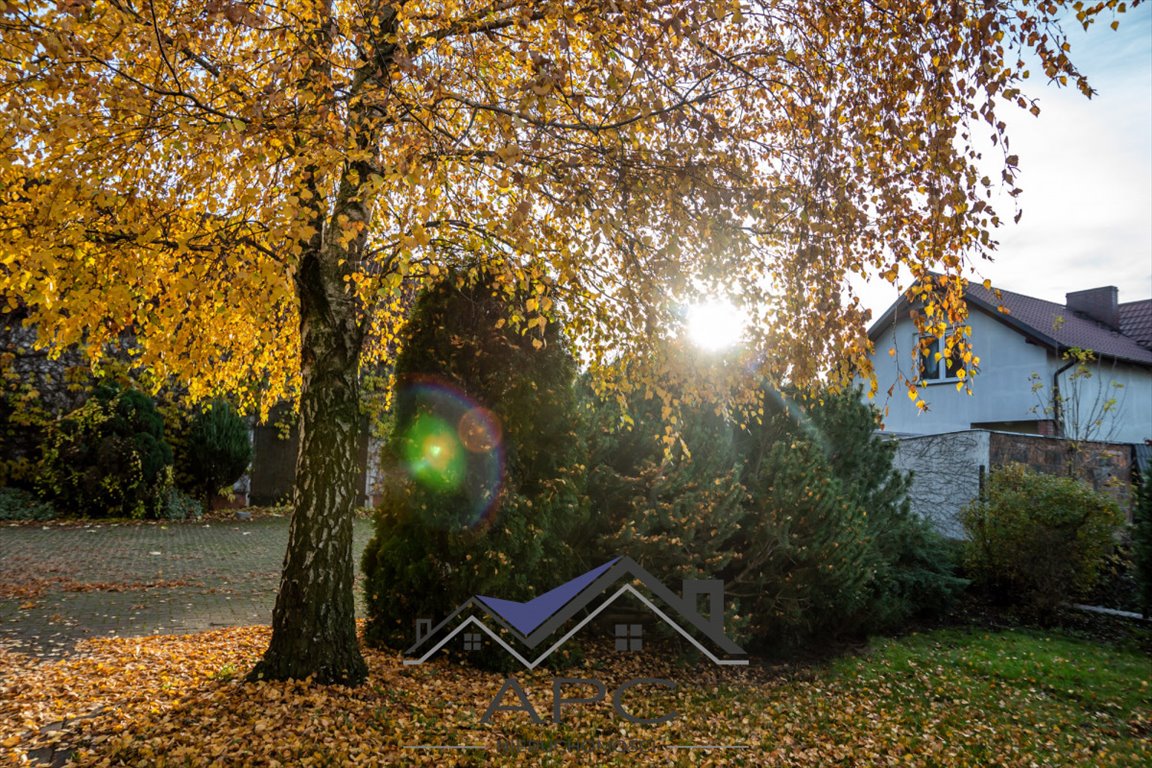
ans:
(1053, 325)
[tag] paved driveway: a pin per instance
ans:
(60, 584)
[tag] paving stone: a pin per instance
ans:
(142, 579)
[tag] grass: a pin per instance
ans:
(953, 697)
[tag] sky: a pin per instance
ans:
(1086, 172)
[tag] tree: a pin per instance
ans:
(679, 511)
(250, 188)
(1083, 410)
(487, 460)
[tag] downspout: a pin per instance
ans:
(1057, 403)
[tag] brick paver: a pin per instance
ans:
(60, 584)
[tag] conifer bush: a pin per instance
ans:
(212, 450)
(802, 515)
(108, 458)
(485, 461)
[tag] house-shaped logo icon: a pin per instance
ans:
(531, 631)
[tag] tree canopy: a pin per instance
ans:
(251, 188)
(167, 163)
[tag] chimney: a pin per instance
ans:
(1099, 304)
(423, 629)
(713, 591)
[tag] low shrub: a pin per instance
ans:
(108, 458)
(18, 504)
(181, 506)
(1038, 540)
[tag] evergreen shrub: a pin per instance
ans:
(212, 450)
(1038, 540)
(485, 460)
(108, 458)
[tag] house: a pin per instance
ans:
(1025, 381)
(530, 631)
(1029, 402)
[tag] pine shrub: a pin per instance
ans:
(212, 451)
(801, 513)
(108, 458)
(485, 459)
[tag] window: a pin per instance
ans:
(473, 641)
(629, 637)
(933, 368)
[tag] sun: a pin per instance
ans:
(714, 325)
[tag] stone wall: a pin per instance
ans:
(1107, 467)
(35, 388)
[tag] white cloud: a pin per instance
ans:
(1086, 172)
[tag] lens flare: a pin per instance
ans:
(452, 445)
(433, 453)
(479, 430)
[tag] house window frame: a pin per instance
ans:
(942, 365)
(629, 637)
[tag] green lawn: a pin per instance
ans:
(980, 698)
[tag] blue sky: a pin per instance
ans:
(1086, 172)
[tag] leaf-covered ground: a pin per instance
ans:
(947, 698)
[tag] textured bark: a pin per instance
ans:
(314, 623)
(313, 626)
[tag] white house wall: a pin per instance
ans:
(1128, 421)
(1002, 388)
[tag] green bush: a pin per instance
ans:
(677, 513)
(1038, 540)
(801, 514)
(1142, 543)
(914, 576)
(485, 462)
(18, 504)
(212, 451)
(181, 506)
(108, 458)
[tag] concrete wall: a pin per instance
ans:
(1002, 391)
(946, 474)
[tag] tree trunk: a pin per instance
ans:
(313, 625)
